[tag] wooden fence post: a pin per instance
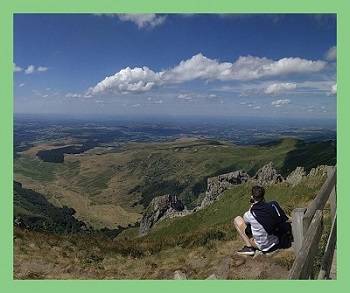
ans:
(305, 258)
(297, 228)
(333, 202)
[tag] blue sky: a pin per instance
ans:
(214, 65)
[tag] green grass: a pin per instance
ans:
(72, 169)
(183, 168)
(95, 181)
(308, 154)
(36, 169)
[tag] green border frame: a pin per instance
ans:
(8, 8)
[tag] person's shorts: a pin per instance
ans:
(248, 231)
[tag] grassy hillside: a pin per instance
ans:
(215, 221)
(110, 189)
(199, 245)
(33, 211)
(39, 255)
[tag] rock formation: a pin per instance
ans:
(217, 185)
(179, 275)
(169, 206)
(296, 176)
(161, 207)
(319, 170)
(267, 175)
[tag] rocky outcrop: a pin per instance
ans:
(179, 275)
(212, 277)
(319, 170)
(296, 176)
(217, 185)
(169, 206)
(267, 175)
(161, 207)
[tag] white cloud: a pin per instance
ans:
(73, 95)
(128, 80)
(277, 88)
(315, 86)
(154, 101)
(200, 67)
(77, 95)
(21, 85)
(197, 67)
(257, 107)
(16, 68)
(250, 67)
(143, 20)
(198, 97)
(279, 103)
(30, 69)
(42, 69)
(334, 89)
(158, 102)
(331, 54)
(185, 97)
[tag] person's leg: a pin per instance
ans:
(240, 226)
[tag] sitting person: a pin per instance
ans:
(264, 227)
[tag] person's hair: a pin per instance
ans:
(258, 192)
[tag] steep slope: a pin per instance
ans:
(34, 212)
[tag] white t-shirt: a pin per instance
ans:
(263, 240)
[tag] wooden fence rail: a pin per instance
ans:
(320, 200)
(307, 226)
